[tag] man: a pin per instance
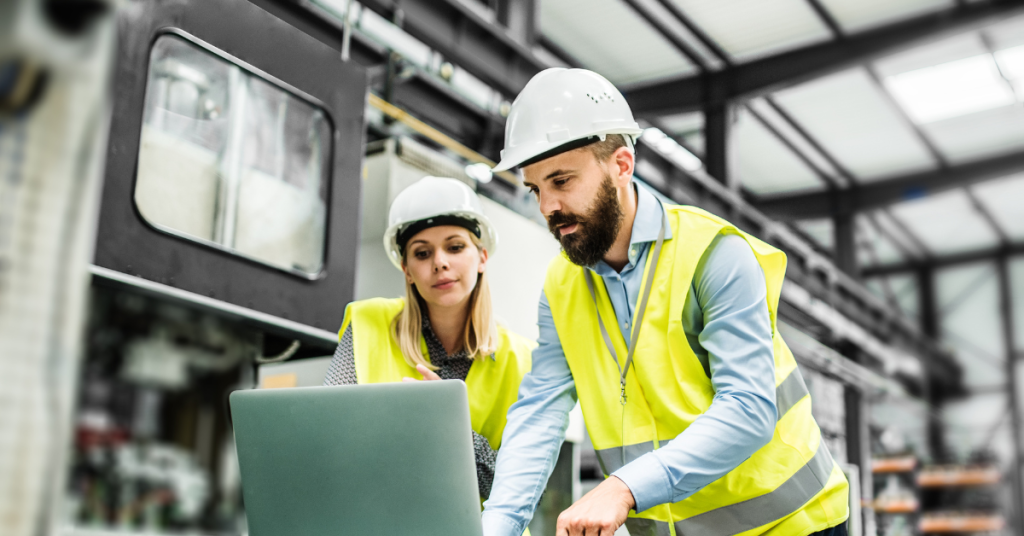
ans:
(695, 407)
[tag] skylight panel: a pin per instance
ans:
(951, 89)
(979, 135)
(854, 121)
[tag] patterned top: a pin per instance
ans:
(450, 367)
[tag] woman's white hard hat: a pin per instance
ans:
(561, 106)
(434, 201)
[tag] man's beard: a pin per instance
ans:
(596, 231)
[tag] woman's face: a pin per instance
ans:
(444, 264)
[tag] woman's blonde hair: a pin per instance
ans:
(479, 336)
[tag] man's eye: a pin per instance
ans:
(560, 182)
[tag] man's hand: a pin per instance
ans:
(428, 374)
(600, 512)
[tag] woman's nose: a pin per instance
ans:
(440, 262)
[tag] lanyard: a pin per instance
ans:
(639, 318)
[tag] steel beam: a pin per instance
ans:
(716, 141)
(471, 41)
(845, 243)
(889, 191)
(938, 262)
(774, 72)
(660, 27)
(1006, 313)
(931, 326)
(521, 19)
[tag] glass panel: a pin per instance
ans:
(764, 164)
(947, 223)
(852, 119)
(749, 29)
(580, 28)
(229, 159)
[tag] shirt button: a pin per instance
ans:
(625, 324)
(632, 251)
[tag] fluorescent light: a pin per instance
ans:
(951, 89)
(479, 172)
(1011, 62)
(670, 149)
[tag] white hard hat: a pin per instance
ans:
(430, 202)
(561, 109)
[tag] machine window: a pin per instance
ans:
(232, 160)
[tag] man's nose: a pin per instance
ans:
(549, 204)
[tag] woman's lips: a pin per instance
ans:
(445, 284)
(566, 229)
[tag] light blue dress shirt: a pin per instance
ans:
(726, 321)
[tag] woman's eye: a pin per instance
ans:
(457, 248)
(421, 254)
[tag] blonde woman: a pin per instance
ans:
(444, 328)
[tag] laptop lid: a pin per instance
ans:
(394, 458)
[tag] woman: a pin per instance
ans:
(445, 327)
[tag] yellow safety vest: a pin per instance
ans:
(790, 487)
(492, 383)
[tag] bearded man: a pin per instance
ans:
(701, 421)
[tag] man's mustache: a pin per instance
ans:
(559, 218)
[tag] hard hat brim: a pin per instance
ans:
(488, 234)
(524, 156)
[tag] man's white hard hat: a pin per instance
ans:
(561, 109)
(431, 202)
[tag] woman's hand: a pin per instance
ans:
(428, 374)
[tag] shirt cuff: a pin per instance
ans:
(495, 524)
(648, 480)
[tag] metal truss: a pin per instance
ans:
(753, 78)
(890, 191)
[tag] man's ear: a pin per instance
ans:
(623, 161)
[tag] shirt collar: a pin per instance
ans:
(649, 215)
(646, 226)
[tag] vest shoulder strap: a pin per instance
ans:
(371, 310)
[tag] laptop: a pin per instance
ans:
(388, 459)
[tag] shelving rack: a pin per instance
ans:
(896, 515)
(959, 499)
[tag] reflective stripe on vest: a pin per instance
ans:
(753, 513)
(750, 514)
